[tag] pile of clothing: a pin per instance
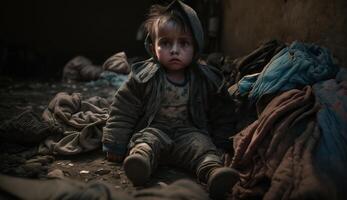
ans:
(81, 68)
(291, 140)
(294, 144)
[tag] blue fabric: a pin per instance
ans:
(331, 151)
(246, 83)
(108, 78)
(294, 66)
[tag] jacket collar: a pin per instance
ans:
(143, 71)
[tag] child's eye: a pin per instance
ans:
(185, 43)
(165, 43)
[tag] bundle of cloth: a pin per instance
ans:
(75, 123)
(81, 68)
(297, 146)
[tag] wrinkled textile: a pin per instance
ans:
(81, 69)
(108, 78)
(257, 59)
(294, 66)
(179, 190)
(79, 123)
(274, 154)
(331, 153)
(224, 63)
(26, 128)
(69, 189)
(117, 63)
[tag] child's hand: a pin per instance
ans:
(114, 157)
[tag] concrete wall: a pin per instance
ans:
(249, 22)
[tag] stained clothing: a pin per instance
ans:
(139, 100)
(174, 105)
(184, 147)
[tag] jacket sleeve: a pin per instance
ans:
(123, 116)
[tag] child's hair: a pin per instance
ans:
(159, 15)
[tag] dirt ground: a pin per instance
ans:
(21, 160)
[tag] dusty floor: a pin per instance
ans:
(19, 160)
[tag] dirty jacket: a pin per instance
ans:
(138, 100)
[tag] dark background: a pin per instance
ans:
(38, 37)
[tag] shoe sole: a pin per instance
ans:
(137, 170)
(222, 183)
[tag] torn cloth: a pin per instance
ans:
(78, 123)
(274, 154)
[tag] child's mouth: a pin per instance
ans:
(175, 60)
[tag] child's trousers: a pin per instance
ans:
(185, 147)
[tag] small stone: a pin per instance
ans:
(84, 172)
(162, 184)
(124, 182)
(57, 173)
(102, 171)
(66, 173)
(117, 187)
(70, 164)
(116, 175)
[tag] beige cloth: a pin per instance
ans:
(78, 123)
(117, 63)
(274, 154)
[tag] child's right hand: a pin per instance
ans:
(114, 157)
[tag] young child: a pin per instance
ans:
(172, 109)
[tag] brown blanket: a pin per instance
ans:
(273, 154)
(78, 123)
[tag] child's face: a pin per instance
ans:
(173, 47)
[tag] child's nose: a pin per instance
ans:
(174, 48)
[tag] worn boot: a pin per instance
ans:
(220, 182)
(219, 179)
(137, 165)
